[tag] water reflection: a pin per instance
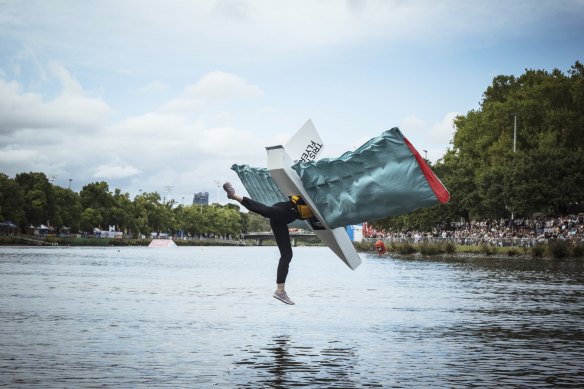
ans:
(284, 364)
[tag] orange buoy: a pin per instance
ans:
(380, 247)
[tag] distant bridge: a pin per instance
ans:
(259, 237)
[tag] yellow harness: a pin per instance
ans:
(303, 210)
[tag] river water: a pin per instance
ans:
(198, 317)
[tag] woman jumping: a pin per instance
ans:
(280, 215)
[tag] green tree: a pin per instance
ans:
(192, 220)
(230, 220)
(122, 213)
(98, 197)
(68, 208)
(152, 215)
(39, 204)
(545, 172)
(11, 201)
(90, 218)
(252, 222)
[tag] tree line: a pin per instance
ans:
(519, 155)
(31, 199)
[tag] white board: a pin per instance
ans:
(305, 145)
(337, 239)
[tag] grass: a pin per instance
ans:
(538, 251)
(437, 248)
(403, 248)
(364, 246)
(512, 252)
(558, 249)
(578, 251)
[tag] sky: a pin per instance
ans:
(165, 96)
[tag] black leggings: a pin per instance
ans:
(280, 214)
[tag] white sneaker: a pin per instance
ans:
(283, 297)
(227, 187)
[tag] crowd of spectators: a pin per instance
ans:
(512, 232)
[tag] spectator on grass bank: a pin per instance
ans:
(503, 232)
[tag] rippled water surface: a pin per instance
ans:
(205, 317)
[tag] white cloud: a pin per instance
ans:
(226, 142)
(212, 87)
(439, 133)
(9, 156)
(115, 171)
(432, 138)
(71, 110)
(434, 154)
(412, 124)
(251, 29)
(152, 126)
(153, 87)
(219, 85)
(70, 86)
(443, 131)
(157, 141)
(134, 152)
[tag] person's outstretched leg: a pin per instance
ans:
(281, 212)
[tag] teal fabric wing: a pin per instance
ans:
(261, 187)
(259, 184)
(384, 177)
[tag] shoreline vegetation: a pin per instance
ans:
(105, 242)
(555, 249)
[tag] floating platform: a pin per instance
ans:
(162, 243)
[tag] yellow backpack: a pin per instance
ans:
(303, 209)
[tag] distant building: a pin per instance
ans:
(201, 198)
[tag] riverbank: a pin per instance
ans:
(104, 242)
(27, 240)
(555, 249)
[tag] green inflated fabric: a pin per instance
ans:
(259, 184)
(261, 187)
(381, 178)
